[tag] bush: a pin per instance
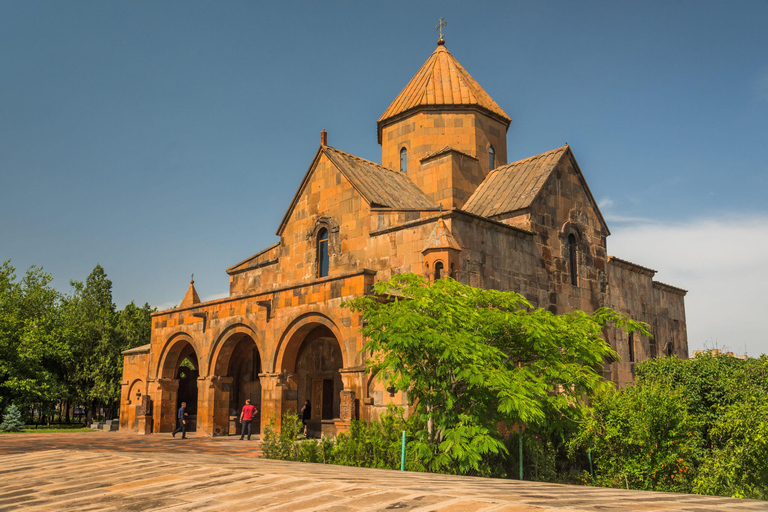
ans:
(12, 421)
(370, 445)
(643, 437)
(282, 445)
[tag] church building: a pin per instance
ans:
(443, 201)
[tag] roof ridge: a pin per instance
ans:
(526, 159)
(362, 159)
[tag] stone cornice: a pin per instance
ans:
(271, 291)
(669, 288)
(633, 267)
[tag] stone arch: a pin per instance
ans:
(572, 228)
(233, 327)
(310, 358)
(176, 383)
(136, 385)
(171, 355)
(293, 336)
(235, 364)
(133, 402)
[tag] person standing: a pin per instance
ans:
(181, 419)
(306, 415)
(246, 418)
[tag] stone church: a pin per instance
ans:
(442, 202)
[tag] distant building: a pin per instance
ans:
(443, 202)
(717, 352)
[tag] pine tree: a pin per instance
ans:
(11, 420)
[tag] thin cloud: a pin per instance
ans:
(722, 263)
(623, 218)
(605, 202)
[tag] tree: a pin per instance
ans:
(12, 421)
(738, 465)
(30, 345)
(94, 348)
(471, 360)
(644, 437)
(692, 425)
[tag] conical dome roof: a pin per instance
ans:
(191, 297)
(441, 81)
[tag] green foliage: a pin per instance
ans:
(644, 437)
(738, 465)
(281, 444)
(697, 425)
(706, 380)
(371, 445)
(56, 347)
(12, 421)
(377, 444)
(472, 359)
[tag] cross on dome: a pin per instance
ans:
(439, 27)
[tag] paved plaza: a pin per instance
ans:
(103, 471)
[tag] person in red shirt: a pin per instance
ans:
(246, 418)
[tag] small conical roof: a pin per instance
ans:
(442, 81)
(441, 238)
(191, 297)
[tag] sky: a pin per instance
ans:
(161, 139)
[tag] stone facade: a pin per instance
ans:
(459, 210)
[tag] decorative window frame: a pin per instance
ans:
(568, 229)
(334, 243)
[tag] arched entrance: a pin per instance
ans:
(317, 377)
(237, 368)
(178, 383)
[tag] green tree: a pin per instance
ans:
(706, 379)
(94, 350)
(12, 421)
(738, 464)
(30, 344)
(644, 437)
(471, 360)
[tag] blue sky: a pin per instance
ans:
(165, 138)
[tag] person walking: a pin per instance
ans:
(181, 419)
(246, 418)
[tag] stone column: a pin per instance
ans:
(125, 405)
(274, 398)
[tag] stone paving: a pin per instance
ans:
(112, 471)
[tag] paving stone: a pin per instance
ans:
(106, 472)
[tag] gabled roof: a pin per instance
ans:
(445, 150)
(514, 186)
(442, 81)
(378, 185)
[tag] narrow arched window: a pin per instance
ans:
(670, 349)
(438, 269)
(572, 265)
(631, 347)
(322, 253)
(403, 160)
(491, 158)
